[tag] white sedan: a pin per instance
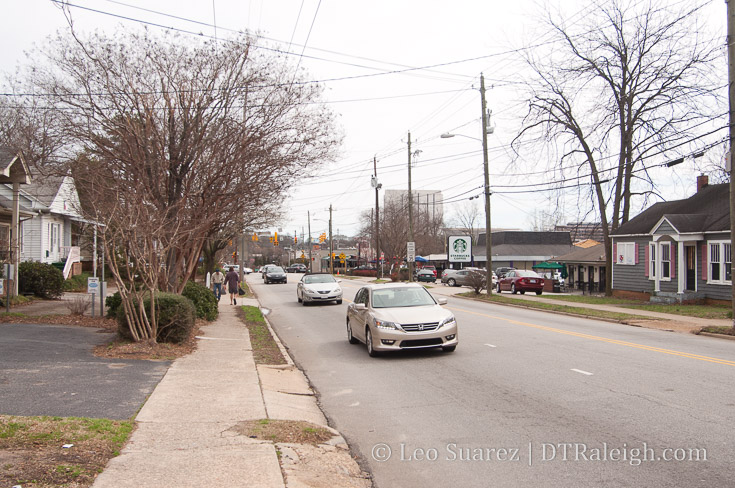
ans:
(318, 287)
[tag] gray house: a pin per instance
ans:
(677, 251)
(521, 250)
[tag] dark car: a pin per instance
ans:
(274, 274)
(502, 271)
(296, 268)
(521, 280)
(426, 275)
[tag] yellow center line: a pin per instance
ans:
(699, 357)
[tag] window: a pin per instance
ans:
(720, 262)
(625, 253)
(666, 261)
(652, 260)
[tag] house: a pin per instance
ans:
(13, 173)
(586, 266)
(677, 251)
(50, 222)
(521, 250)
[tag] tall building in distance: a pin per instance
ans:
(426, 203)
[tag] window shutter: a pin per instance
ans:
(615, 254)
(636, 253)
(647, 266)
(672, 255)
(704, 262)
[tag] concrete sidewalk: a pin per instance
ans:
(186, 434)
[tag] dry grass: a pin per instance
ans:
(284, 431)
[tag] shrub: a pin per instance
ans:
(403, 276)
(203, 299)
(176, 318)
(40, 279)
(113, 303)
(477, 280)
(364, 272)
(79, 305)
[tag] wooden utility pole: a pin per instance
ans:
(331, 243)
(410, 209)
(731, 94)
(377, 217)
(311, 266)
(486, 191)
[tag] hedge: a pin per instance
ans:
(203, 299)
(40, 279)
(176, 318)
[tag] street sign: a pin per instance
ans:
(410, 252)
(93, 285)
(459, 249)
(342, 256)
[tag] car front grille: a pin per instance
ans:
(420, 327)
(421, 343)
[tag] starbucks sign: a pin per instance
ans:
(460, 249)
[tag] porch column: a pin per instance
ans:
(681, 272)
(657, 278)
(16, 235)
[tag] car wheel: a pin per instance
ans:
(539, 292)
(339, 302)
(498, 287)
(523, 292)
(513, 288)
(369, 343)
(449, 348)
(298, 298)
(452, 282)
(350, 337)
(304, 303)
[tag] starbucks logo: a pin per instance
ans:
(460, 246)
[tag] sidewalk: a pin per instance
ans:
(186, 435)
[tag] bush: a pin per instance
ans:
(364, 272)
(176, 318)
(203, 299)
(394, 276)
(113, 303)
(40, 279)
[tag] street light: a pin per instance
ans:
(486, 129)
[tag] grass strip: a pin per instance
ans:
(265, 348)
(699, 311)
(552, 307)
(58, 451)
(720, 330)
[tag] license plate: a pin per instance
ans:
(532, 281)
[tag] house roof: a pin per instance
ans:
(44, 189)
(706, 210)
(527, 238)
(13, 168)
(594, 254)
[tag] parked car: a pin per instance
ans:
(521, 280)
(429, 268)
(235, 267)
(426, 275)
(399, 316)
(318, 287)
(501, 271)
(458, 277)
(247, 271)
(296, 268)
(274, 274)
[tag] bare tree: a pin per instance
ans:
(630, 81)
(468, 218)
(180, 140)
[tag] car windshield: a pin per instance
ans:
(318, 278)
(275, 269)
(401, 297)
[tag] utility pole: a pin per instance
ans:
(377, 216)
(410, 208)
(488, 232)
(308, 216)
(331, 243)
(731, 94)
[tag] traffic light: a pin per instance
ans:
(295, 240)
(255, 237)
(322, 237)
(275, 238)
(234, 255)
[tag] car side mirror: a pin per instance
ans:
(339, 281)
(359, 306)
(441, 301)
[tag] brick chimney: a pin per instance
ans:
(702, 182)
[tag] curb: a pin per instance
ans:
(718, 336)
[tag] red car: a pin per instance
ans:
(521, 280)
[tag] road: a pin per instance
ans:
(528, 398)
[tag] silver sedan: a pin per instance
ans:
(399, 316)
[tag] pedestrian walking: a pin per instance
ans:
(218, 280)
(232, 279)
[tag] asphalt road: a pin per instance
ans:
(50, 370)
(528, 399)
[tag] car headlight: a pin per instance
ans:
(448, 322)
(384, 324)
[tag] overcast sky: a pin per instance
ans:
(356, 45)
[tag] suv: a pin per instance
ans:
(296, 268)
(502, 271)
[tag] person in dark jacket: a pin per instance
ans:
(232, 280)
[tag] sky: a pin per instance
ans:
(364, 51)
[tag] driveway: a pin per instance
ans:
(50, 370)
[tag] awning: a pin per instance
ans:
(419, 259)
(548, 265)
